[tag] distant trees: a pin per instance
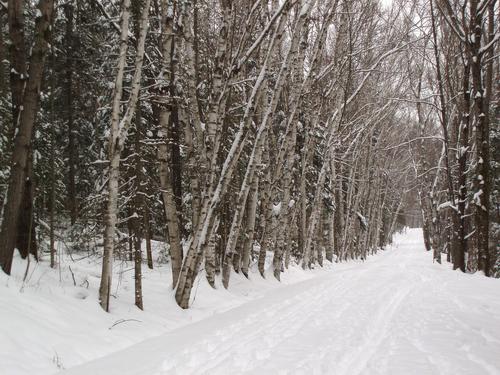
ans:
(463, 36)
(245, 134)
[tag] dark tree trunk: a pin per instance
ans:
(463, 140)
(3, 70)
(17, 52)
(72, 144)
(176, 166)
(4, 125)
(137, 262)
(454, 249)
(482, 177)
(147, 234)
(30, 98)
(26, 235)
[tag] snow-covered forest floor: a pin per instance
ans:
(397, 313)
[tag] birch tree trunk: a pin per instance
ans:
(315, 211)
(164, 149)
(117, 138)
(114, 164)
(251, 218)
(241, 201)
(205, 229)
(198, 161)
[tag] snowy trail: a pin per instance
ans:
(397, 313)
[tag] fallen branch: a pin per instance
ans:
(120, 321)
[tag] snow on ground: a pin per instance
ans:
(53, 322)
(396, 313)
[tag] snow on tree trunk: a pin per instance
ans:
(117, 138)
(25, 115)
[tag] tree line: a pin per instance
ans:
(459, 199)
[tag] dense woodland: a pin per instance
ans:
(238, 130)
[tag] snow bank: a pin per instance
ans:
(395, 313)
(53, 321)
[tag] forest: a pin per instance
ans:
(246, 134)
(249, 187)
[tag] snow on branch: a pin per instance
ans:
(488, 46)
(362, 220)
(446, 204)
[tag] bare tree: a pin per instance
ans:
(117, 138)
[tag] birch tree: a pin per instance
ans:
(117, 138)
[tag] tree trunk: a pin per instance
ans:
(72, 144)
(26, 120)
(481, 102)
(117, 138)
(444, 124)
(147, 234)
(251, 217)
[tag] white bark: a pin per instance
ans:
(210, 204)
(164, 151)
(117, 138)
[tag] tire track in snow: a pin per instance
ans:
(341, 323)
(355, 363)
(267, 329)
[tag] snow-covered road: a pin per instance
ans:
(397, 313)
